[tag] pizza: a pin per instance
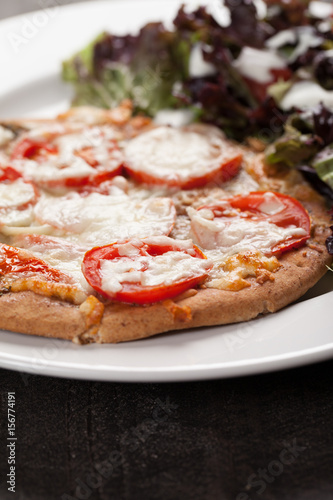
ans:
(114, 228)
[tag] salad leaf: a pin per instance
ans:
(227, 99)
(283, 14)
(312, 177)
(323, 123)
(308, 138)
(323, 69)
(323, 164)
(113, 68)
(245, 29)
(292, 149)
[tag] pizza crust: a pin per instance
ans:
(28, 313)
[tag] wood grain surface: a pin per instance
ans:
(215, 440)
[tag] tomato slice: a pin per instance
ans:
(290, 213)
(20, 263)
(186, 157)
(145, 271)
(71, 160)
(15, 192)
(281, 210)
(33, 150)
(9, 174)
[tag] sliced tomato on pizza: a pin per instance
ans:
(17, 194)
(145, 271)
(17, 197)
(186, 157)
(18, 262)
(266, 221)
(21, 271)
(33, 149)
(9, 174)
(69, 160)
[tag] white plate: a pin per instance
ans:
(32, 48)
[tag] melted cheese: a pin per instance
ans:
(237, 234)
(59, 254)
(6, 135)
(176, 154)
(231, 272)
(243, 183)
(166, 269)
(271, 205)
(14, 220)
(15, 194)
(99, 220)
(66, 163)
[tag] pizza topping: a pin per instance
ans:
(20, 271)
(17, 194)
(145, 271)
(242, 184)
(98, 219)
(9, 174)
(15, 262)
(186, 157)
(116, 186)
(62, 291)
(6, 135)
(231, 272)
(88, 156)
(58, 253)
(269, 222)
(17, 198)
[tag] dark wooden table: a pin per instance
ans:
(261, 437)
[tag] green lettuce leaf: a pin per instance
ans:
(113, 68)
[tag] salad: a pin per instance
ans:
(260, 70)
